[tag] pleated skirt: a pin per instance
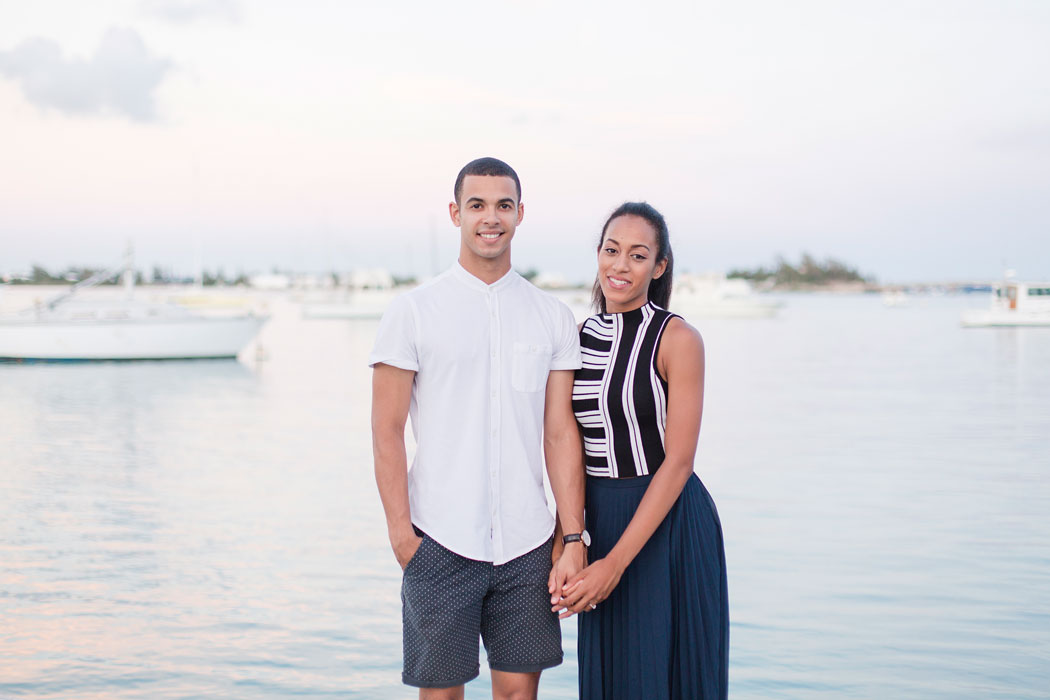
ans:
(663, 633)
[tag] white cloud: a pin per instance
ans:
(186, 11)
(121, 77)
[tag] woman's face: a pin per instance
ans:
(627, 263)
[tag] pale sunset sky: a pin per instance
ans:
(910, 139)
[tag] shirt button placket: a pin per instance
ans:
(495, 375)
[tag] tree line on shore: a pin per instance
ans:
(808, 272)
(71, 275)
(782, 274)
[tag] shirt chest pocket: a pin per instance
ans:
(530, 366)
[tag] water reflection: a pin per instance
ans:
(192, 529)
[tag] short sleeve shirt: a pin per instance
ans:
(481, 353)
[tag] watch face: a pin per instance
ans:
(586, 537)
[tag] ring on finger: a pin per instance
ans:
(593, 606)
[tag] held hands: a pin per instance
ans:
(571, 561)
(588, 588)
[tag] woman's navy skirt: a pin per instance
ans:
(663, 633)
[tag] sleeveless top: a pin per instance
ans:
(619, 398)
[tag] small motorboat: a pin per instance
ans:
(1013, 304)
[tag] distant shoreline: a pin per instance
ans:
(876, 288)
(833, 287)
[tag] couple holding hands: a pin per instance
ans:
(498, 380)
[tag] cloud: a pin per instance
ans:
(120, 77)
(185, 11)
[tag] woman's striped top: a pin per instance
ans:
(619, 398)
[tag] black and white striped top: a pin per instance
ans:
(619, 398)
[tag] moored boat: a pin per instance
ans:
(70, 328)
(715, 296)
(354, 304)
(1013, 304)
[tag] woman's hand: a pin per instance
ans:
(589, 588)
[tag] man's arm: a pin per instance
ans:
(391, 397)
(681, 361)
(564, 455)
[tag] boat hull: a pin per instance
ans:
(724, 308)
(352, 312)
(161, 339)
(360, 305)
(1004, 319)
(1013, 304)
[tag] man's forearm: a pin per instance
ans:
(391, 395)
(391, 468)
(564, 455)
(565, 470)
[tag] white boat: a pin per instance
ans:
(353, 304)
(715, 296)
(362, 294)
(1013, 304)
(71, 328)
(894, 298)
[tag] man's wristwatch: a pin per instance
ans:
(584, 537)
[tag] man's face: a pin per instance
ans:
(487, 215)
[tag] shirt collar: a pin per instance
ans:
(460, 273)
(633, 314)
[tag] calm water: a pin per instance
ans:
(212, 529)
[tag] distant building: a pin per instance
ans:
(551, 280)
(270, 281)
(367, 278)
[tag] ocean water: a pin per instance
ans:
(212, 529)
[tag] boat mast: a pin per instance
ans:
(129, 271)
(125, 266)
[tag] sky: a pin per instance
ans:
(909, 139)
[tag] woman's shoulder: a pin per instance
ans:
(680, 337)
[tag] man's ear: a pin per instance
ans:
(453, 212)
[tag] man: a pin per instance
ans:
(483, 362)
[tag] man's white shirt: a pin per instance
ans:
(481, 353)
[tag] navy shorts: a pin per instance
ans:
(449, 601)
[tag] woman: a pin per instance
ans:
(655, 620)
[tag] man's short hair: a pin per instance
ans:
(486, 166)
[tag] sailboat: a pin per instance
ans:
(70, 327)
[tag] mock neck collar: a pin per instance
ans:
(461, 273)
(633, 313)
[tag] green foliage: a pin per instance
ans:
(809, 271)
(158, 275)
(219, 279)
(71, 275)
